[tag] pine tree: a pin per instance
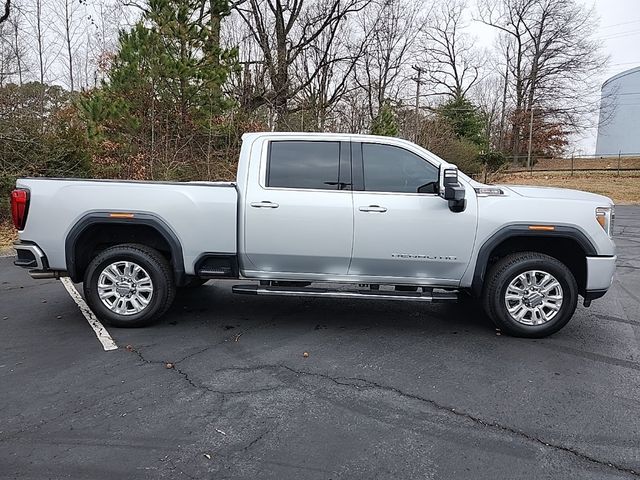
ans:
(160, 112)
(385, 122)
(173, 56)
(465, 119)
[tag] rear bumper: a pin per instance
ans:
(30, 256)
(600, 272)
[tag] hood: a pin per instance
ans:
(558, 193)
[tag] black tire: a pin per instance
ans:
(507, 269)
(159, 271)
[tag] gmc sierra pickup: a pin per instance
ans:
(382, 216)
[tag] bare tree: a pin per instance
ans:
(284, 31)
(39, 39)
(326, 73)
(69, 25)
(488, 96)
(391, 27)
(248, 84)
(7, 11)
(17, 47)
(453, 62)
(9, 61)
(68, 19)
(552, 61)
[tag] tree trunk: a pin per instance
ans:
(67, 20)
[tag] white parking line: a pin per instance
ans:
(101, 332)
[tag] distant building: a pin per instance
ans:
(619, 126)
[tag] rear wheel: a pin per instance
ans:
(129, 285)
(530, 294)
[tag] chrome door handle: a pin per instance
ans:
(373, 208)
(265, 204)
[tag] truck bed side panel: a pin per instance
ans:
(202, 216)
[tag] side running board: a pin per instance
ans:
(328, 293)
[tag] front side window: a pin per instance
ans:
(304, 164)
(393, 169)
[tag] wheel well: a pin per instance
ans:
(566, 250)
(100, 236)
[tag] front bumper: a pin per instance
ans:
(600, 272)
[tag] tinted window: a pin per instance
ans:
(304, 164)
(394, 169)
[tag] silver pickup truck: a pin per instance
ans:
(323, 215)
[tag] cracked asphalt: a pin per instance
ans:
(388, 390)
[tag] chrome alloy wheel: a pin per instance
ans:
(125, 288)
(533, 297)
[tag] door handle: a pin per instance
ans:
(265, 204)
(373, 208)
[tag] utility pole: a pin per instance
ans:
(418, 81)
(530, 139)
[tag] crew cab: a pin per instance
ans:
(323, 215)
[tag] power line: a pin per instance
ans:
(615, 36)
(620, 24)
(624, 93)
(637, 62)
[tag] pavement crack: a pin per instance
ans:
(189, 381)
(199, 386)
(360, 382)
(255, 440)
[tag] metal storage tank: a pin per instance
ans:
(619, 125)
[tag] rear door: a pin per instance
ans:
(299, 219)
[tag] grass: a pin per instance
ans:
(7, 236)
(623, 189)
(610, 163)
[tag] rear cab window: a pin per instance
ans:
(304, 164)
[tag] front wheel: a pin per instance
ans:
(530, 294)
(129, 285)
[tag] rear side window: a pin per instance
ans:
(304, 164)
(393, 169)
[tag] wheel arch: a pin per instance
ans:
(565, 243)
(98, 230)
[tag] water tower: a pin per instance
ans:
(619, 126)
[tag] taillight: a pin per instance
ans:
(19, 207)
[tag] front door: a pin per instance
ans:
(299, 219)
(402, 227)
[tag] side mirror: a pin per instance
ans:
(452, 190)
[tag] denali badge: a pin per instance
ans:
(423, 257)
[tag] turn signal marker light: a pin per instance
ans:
(544, 228)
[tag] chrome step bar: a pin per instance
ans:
(328, 293)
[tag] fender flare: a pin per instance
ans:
(511, 231)
(105, 218)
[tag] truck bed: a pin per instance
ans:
(202, 215)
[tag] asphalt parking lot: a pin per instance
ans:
(388, 390)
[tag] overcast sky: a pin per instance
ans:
(619, 32)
